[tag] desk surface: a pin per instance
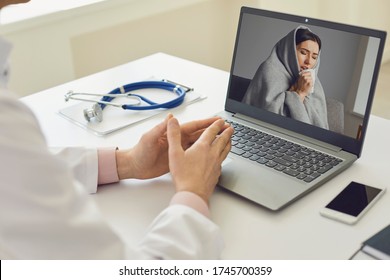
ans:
(250, 231)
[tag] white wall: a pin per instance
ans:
(60, 47)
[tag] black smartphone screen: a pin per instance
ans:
(353, 199)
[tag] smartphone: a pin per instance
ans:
(352, 202)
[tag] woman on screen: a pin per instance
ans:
(286, 83)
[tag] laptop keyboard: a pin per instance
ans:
(282, 155)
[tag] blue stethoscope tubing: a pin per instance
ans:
(181, 93)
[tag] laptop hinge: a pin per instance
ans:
(285, 133)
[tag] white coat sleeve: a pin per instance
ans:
(45, 213)
(180, 232)
(83, 163)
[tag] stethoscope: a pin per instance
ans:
(96, 111)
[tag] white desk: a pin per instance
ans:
(250, 231)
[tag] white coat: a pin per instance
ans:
(46, 212)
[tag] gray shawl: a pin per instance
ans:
(269, 87)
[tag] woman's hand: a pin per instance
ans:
(198, 168)
(303, 85)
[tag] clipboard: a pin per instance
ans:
(115, 118)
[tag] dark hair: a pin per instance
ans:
(304, 34)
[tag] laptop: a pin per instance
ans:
(299, 105)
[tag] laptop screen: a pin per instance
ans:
(310, 76)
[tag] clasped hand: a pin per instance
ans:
(192, 152)
(303, 85)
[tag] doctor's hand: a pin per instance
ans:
(198, 168)
(149, 158)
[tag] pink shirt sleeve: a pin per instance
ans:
(191, 200)
(107, 171)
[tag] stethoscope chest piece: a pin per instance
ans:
(94, 113)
